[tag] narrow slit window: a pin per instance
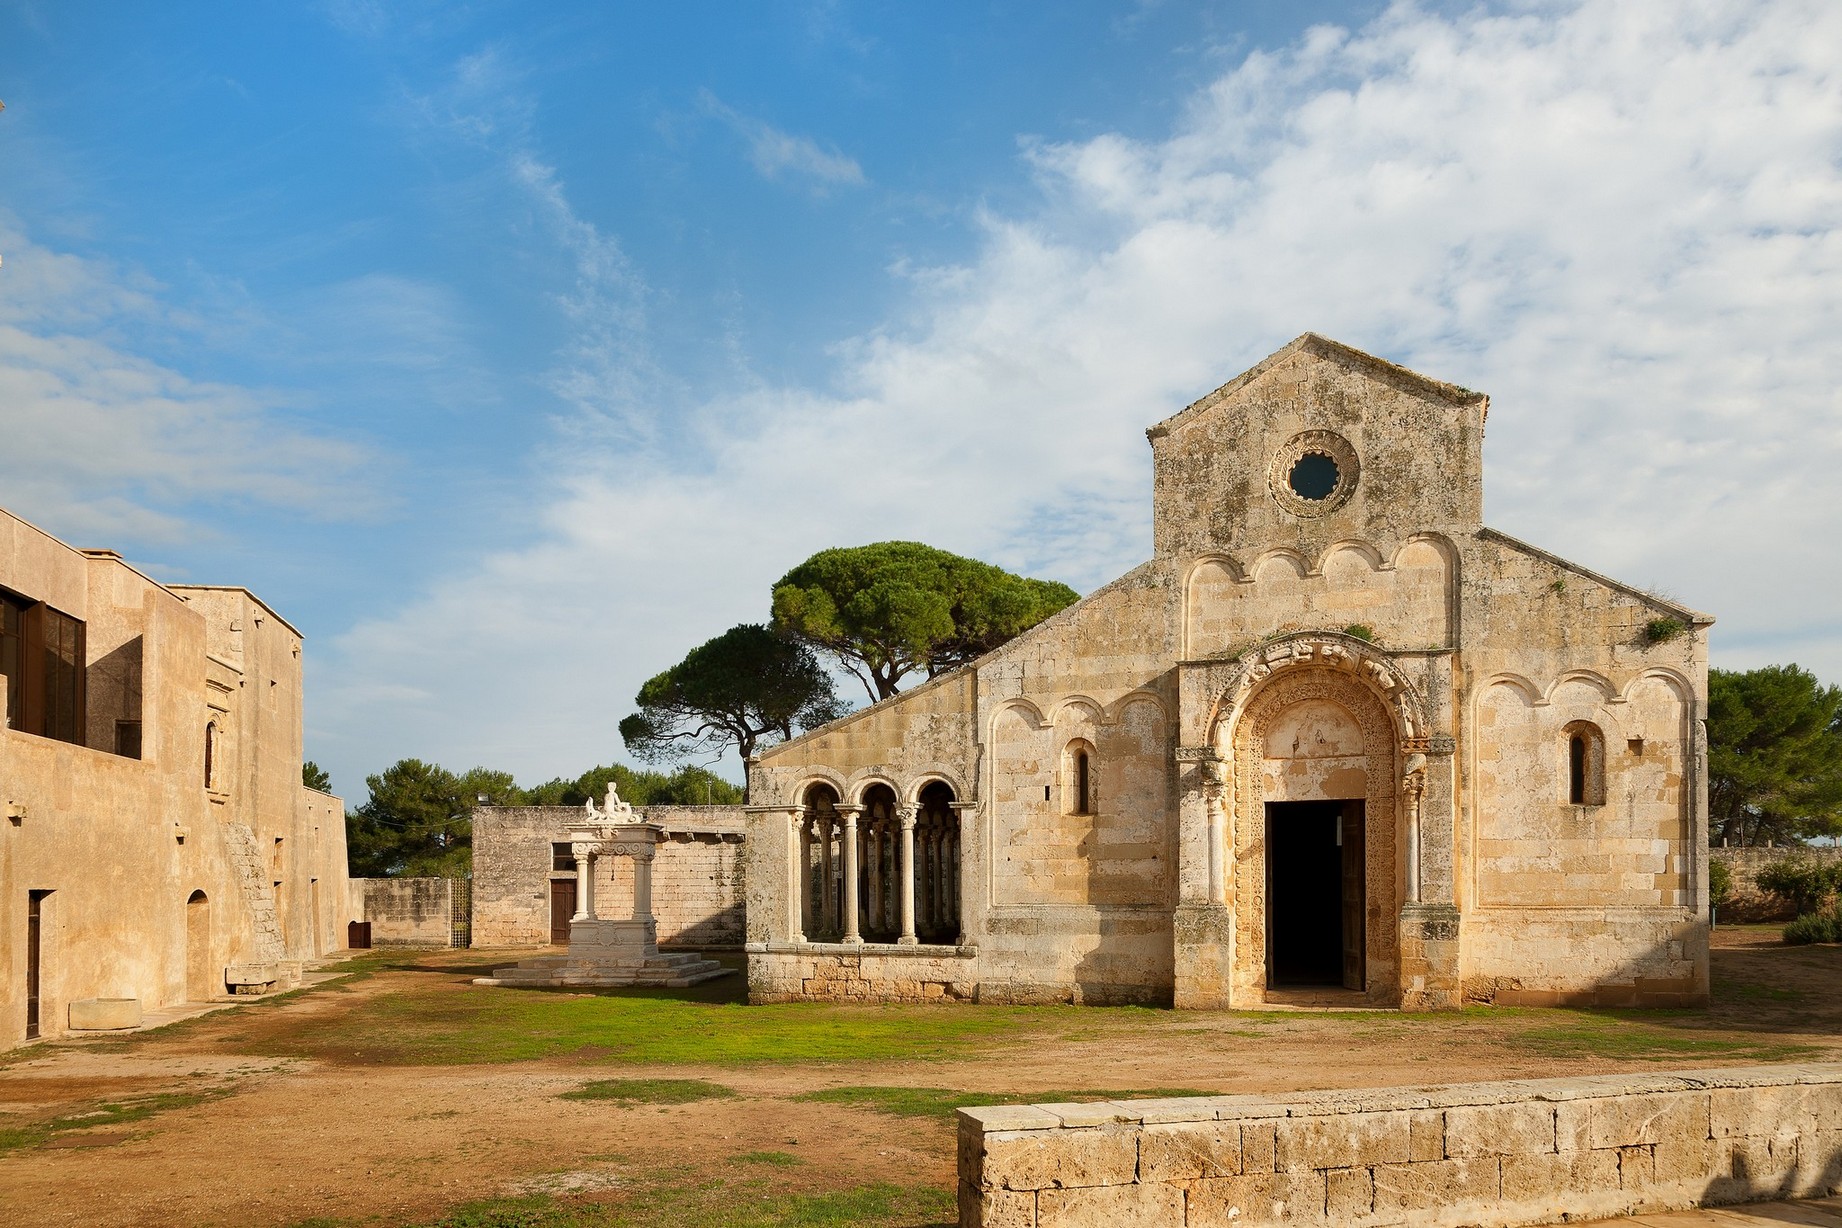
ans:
(1576, 770)
(1585, 764)
(1083, 798)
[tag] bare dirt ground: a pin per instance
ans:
(396, 1096)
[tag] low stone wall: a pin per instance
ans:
(408, 912)
(1485, 1154)
(878, 972)
(1748, 902)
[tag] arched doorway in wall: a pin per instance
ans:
(201, 982)
(879, 862)
(1314, 838)
(821, 865)
(937, 865)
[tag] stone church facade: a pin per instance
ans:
(1335, 739)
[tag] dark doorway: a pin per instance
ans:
(35, 907)
(562, 908)
(1314, 894)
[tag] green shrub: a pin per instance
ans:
(1815, 927)
(1663, 630)
(1720, 883)
(1804, 884)
(1360, 631)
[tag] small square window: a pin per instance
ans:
(562, 856)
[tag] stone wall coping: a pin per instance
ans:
(1008, 1119)
(878, 949)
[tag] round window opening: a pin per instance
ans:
(1314, 475)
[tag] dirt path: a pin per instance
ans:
(263, 1126)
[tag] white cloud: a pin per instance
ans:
(84, 410)
(775, 154)
(1621, 219)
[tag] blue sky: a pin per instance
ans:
(512, 349)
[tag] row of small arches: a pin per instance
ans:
(1426, 550)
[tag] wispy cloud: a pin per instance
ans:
(1622, 219)
(107, 444)
(777, 154)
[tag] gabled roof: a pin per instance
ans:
(1336, 351)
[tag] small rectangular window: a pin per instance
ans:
(562, 856)
(128, 739)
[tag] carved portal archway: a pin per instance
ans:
(1369, 726)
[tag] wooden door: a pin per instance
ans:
(1354, 884)
(562, 908)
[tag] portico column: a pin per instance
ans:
(802, 916)
(907, 815)
(1215, 777)
(642, 886)
(828, 892)
(1413, 788)
(585, 881)
(850, 813)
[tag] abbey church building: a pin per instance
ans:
(1335, 741)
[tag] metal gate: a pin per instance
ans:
(460, 912)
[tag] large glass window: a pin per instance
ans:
(41, 654)
(10, 614)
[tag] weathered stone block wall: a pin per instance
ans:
(697, 884)
(1749, 903)
(1485, 1154)
(408, 912)
(869, 972)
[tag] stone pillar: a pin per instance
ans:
(1429, 927)
(585, 881)
(851, 932)
(1203, 926)
(642, 885)
(828, 874)
(802, 916)
(907, 875)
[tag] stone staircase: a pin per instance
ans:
(673, 971)
(253, 880)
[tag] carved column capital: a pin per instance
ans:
(908, 815)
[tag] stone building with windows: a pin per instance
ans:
(157, 845)
(1336, 740)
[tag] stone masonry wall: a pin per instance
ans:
(696, 876)
(1485, 1154)
(1748, 902)
(408, 912)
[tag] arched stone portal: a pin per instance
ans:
(202, 980)
(1315, 851)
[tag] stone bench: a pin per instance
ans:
(105, 1014)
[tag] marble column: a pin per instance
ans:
(585, 881)
(642, 886)
(851, 930)
(906, 876)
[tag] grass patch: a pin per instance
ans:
(115, 1113)
(1632, 1037)
(688, 1203)
(449, 1024)
(773, 1159)
(650, 1091)
(940, 1102)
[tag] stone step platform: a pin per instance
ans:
(674, 971)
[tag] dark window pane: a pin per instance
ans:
(562, 856)
(128, 739)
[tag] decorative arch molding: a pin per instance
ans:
(815, 775)
(1362, 549)
(1022, 707)
(1437, 541)
(1531, 694)
(1301, 565)
(1673, 679)
(1140, 696)
(1250, 673)
(1608, 693)
(921, 778)
(865, 779)
(1226, 562)
(1069, 703)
